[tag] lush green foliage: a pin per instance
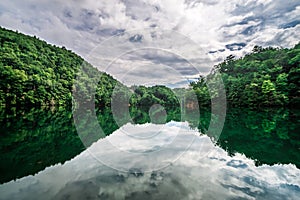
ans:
(35, 73)
(265, 77)
(148, 96)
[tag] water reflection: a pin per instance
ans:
(39, 138)
(200, 173)
(32, 140)
(269, 136)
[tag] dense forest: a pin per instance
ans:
(265, 77)
(34, 73)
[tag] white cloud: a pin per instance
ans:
(207, 25)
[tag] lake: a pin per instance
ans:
(139, 157)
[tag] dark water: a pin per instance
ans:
(269, 137)
(33, 140)
(39, 138)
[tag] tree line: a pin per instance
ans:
(263, 78)
(34, 73)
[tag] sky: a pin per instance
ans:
(147, 42)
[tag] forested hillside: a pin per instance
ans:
(34, 73)
(265, 77)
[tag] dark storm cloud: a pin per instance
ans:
(136, 38)
(84, 20)
(250, 30)
(110, 32)
(235, 46)
(290, 24)
(271, 10)
(165, 59)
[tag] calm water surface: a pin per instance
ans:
(256, 156)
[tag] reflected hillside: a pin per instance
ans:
(269, 137)
(34, 139)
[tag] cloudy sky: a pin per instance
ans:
(159, 41)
